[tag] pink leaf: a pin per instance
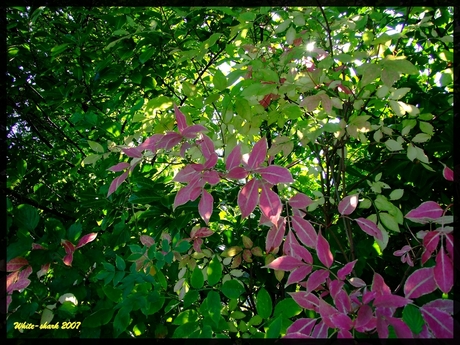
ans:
(365, 314)
(288, 243)
(197, 244)
(316, 279)
(147, 240)
(298, 274)
(323, 251)
(68, 259)
(186, 174)
(431, 241)
(211, 161)
(450, 246)
(270, 204)
(326, 311)
(151, 143)
(303, 326)
(320, 330)
(211, 176)
(401, 329)
(195, 191)
(357, 282)
(379, 286)
(237, 173)
(425, 256)
(183, 148)
(119, 167)
(344, 334)
(306, 300)
(439, 322)
(68, 246)
(86, 239)
(368, 296)
(284, 263)
(207, 146)
(134, 152)
(448, 173)
(19, 285)
(443, 271)
(446, 305)
(346, 270)
(370, 228)
(382, 327)
(258, 154)
(426, 212)
(182, 197)
(36, 246)
(402, 251)
(11, 279)
(305, 231)
(300, 200)
(275, 174)
(192, 131)
(201, 232)
(342, 321)
(205, 206)
(43, 270)
(117, 181)
(419, 283)
(275, 235)
(180, 118)
(169, 140)
(342, 302)
(348, 204)
(248, 197)
(391, 301)
(301, 252)
(334, 287)
(25, 273)
(15, 264)
(234, 158)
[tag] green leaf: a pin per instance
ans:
(396, 194)
(219, 80)
(120, 263)
(389, 221)
(91, 159)
(26, 217)
(214, 271)
(191, 297)
(121, 320)
(287, 308)
(159, 103)
(213, 306)
(393, 145)
(426, 127)
(186, 316)
(99, 318)
(264, 304)
(146, 55)
(185, 330)
(112, 293)
(197, 279)
(232, 288)
(59, 49)
(96, 147)
(74, 232)
(274, 329)
(413, 318)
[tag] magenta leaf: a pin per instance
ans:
(86, 239)
(346, 270)
(182, 197)
(334, 287)
(391, 301)
(117, 181)
(68, 246)
(382, 327)
(285, 263)
(446, 305)
(298, 274)
(15, 264)
(300, 200)
(211, 161)
(326, 311)
(180, 118)
(443, 271)
(323, 251)
(36, 246)
(379, 286)
(205, 206)
(183, 148)
(211, 176)
(342, 302)
(348, 204)
(342, 321)
(258, 154)
(147, 240)
(270, 204)
(316, 279)
(248, 197)
(368, 296)
(303, 326)
(419, 283)
(169, 140)
(192, 131)
(344, 334)
(150, 143)
(370, 228)
(26, 272)
(186, 174)
(426, 212)
(237, 173)
(448, 173)
(19, 285)
(275, 174)
(402, 251)
(288, 243)
(234, 158)
(119, 167)
(68, 259)
(357, 282)
(305, 231)
(320, 330)
(365, 314)
(201, 232)
(401, 329)
(306, 300)
(450, 245)
(439, 322)
(296, 335)
(207, 146)
(431, 241)
(301, 252)
(134, 152)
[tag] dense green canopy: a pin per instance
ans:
(355, 102)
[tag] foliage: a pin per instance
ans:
(230, 172)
